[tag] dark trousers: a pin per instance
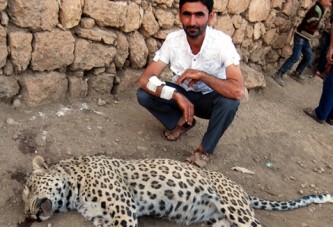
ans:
(324, 111)
(301, 46)
(325, 43)
(218, 109)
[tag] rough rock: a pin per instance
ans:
(252, 78)
(43, 87)
(4, 19)
(8, 69)
(128, 79)
(87, 22)
(106, 36)
(259, 10)
(106, 13)
(123, 50)
(78, 87)
(167, 3)
(237, 7)
(101, 84)
(149, 24)
(52, 50)
(34, 14)
(20, 47)
(165, 18)
(138, 50)
(134, 18)
(9, 87)
(86, 51)
(3, 46)
(3, 4)
(70, 13)
(225, 24)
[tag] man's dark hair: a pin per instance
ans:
(208, 3)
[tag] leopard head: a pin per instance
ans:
(42, 191)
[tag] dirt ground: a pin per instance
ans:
(289, 152)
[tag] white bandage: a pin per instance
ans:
(167, 92)
(153, 83)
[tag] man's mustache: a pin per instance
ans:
(192, 27)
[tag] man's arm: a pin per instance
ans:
(155, 69)
(232, 87)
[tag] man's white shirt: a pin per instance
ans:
(217, 53)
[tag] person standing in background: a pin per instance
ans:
(302, 37)
(324, 111)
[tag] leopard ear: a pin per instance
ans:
(39, 164)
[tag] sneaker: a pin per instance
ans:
(278, 77)
(297, 76)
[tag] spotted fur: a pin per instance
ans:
(114, 192)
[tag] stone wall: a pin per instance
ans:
(51, 50)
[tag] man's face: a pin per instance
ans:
(195, 17)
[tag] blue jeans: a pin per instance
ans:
(324, 111)
(218, 109)
(325, 43)
(301, 46)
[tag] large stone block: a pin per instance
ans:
(44, 87)
(106, 13)
(237, 7)
(165, 18)
(20, 49)
(259, 10)
(220, 6)
(149, 24)
(134, 18)
(225, 24)
(34, 14)
(138, 50)
(89, 55)
(52, 50)
(101, 83)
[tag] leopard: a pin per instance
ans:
(117, 192)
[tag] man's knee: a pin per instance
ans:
(227, 104)
(142, 97)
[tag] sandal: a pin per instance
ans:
(311, 112)
(199, 159)
(185, 127)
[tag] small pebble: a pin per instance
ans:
(11, 121)
(292, 178)
(16, 103)
(101, 102)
